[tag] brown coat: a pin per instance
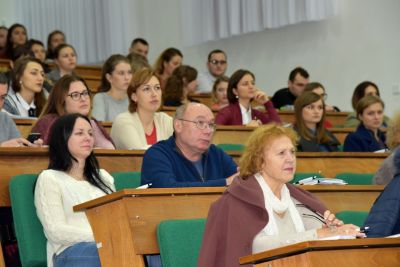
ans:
(236, 218)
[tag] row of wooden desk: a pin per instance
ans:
(113, 232)
(15, 161)
(223, 134)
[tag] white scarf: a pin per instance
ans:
(273, 204)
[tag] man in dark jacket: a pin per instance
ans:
(384, 217)
(285, 97)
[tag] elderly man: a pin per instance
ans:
(139, 46)
(285, 97)
(188, 159)
(216, 65)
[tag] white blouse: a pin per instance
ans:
(56, 194)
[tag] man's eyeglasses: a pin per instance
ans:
(216, 62)
(76, 96)
(202, 124)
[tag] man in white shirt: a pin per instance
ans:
(216, 64)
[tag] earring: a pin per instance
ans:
(237, 96)
(20, 82)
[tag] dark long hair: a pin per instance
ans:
(233, 84)
(50, 50)
(9, 44)
(60, 158)
(56, 100)
(305, 99)
(359, 92)
(18, 71)
(181, 76)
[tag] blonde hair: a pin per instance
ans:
(253, 156)
(393, 131)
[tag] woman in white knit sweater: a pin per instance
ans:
(73, 177)
(142, 126)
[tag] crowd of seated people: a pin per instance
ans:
(310, 115)
(112, 98)
(130, 96)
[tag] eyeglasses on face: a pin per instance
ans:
(202, 124)
(216, 62)
(76, 96)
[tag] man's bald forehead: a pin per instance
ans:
(195, 109)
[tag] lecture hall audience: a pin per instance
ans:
(388, 169)
(319, 89)
(368, 137)
(137, 62)
(3, 41)
(241, 92)
(384, 218)
(142, 126)
(260, 210)
(17, 36)
(180, 85)
(166, 63)
(284, 98)
(26, 98)
(188, 158)
(220, 93)
(54, 39)
(139, 46)
(363, 89)
(9, 134)
(111, 98)
(216, 67)
(65, 59)
(70, 95)
(73, 177)
(180, 152)
(309, 110)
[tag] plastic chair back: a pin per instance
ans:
(351, 216)
(356, 178)
(28, 229)
(125, 180)
(180, 241)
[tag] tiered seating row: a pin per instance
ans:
(15, 161)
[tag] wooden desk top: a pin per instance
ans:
(318, 245)
(22, 160)
(186, 191)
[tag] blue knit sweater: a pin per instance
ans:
(165, 166)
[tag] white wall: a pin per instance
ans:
(7, 12)
(362, 42)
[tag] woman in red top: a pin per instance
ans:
(241, 92)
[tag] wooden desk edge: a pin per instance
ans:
(149, 192)
(212, 190)
(315, 245)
